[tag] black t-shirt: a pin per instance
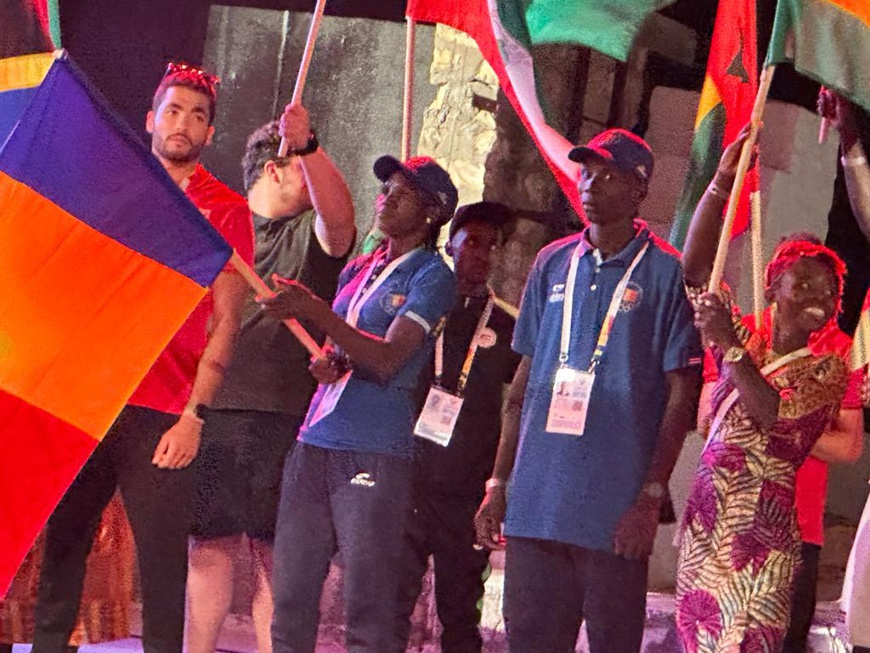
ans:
(846, 238)
(461, 468)
(269, 368)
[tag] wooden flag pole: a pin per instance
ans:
(742, 169)
(316, 19)
(408, 95)
(260, 287)
(757, 258)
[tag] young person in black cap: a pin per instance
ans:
(456, 444)
(347, 483)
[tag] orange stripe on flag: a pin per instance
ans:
(25, 71)
(79, 311)
(858, 8)
(39, 457)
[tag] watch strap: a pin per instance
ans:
(310, 147)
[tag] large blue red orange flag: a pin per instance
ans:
(102, 258)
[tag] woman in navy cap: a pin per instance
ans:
(347, 484)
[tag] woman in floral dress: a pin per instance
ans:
(740, 540)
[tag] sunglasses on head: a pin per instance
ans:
(184, 70)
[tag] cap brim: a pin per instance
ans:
(584, 153)
(497, 215)
(386, 166)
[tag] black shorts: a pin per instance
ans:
(240, 467)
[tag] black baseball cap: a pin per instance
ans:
(424, 173)
(494, 213)
(619, 147)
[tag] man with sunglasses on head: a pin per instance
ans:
(149, 449)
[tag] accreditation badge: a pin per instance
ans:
(438, 419)
(330, 399)
(570, 401)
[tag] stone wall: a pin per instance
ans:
(353, 92)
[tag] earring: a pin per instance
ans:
(428, 220)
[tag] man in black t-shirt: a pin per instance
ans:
(848, 230)
(449, 479)
(304, 230)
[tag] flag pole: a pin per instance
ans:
(742, 169)
(757, 258)
(313, 30)
(408, 95)
(260, 287)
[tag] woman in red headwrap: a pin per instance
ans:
(740, 540)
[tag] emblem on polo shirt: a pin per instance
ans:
(633, 297)
(487, 338)
(363, 478)
(557, 293)
(392, 302)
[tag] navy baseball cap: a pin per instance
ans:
(424, 173)
(494, 213)
(619, 147)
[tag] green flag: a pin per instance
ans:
(608, 26)
(827, 40)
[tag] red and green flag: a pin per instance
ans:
(506, 30)
(729, 91)
(828, 41)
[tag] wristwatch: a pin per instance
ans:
(734, 354)
(654, 490)
(310, 147)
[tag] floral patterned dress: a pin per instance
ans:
(740, 541)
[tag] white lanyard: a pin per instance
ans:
(732, 397)
(361, 296)
(615, 302)
(472, 349)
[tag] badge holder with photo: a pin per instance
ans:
(441, 410)
(572, 388)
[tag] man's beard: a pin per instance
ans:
(176, 156)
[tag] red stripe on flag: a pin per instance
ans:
(473, 18)
(40, 455)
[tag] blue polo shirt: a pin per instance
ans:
(574, 489)
(371, 416)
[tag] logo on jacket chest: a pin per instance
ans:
(392, 302)
(632, 298)
(557, 293)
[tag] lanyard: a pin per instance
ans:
(363, 294)
(568, 307)
(472, 349)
